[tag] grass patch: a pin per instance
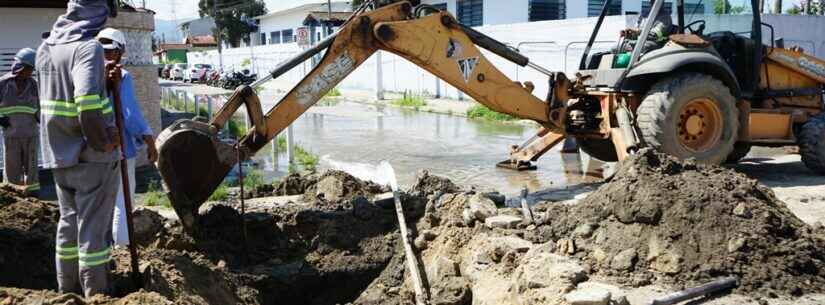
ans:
(334, 92)
(410, 100)
(307, 159)
(155, 196)
(481, 112)
(220, 194)
(236, 129)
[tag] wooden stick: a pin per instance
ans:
(124, 177)
(421, 297)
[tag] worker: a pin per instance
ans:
(80, 144)
(657, 37)
(19, 117)
(136, 132)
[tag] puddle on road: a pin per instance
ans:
(354, 137)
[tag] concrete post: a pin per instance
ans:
(379, 77)
(290, 155)
(197, 108)
(275, 153)
(209, 108)
(185, 102)
(437, 87)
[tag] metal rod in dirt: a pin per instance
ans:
(525, 208)
(695, 292)
(412, 259)
(124, 178)
(243, 203)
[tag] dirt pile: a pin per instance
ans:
(664, 221)
(329, 186)
(27, 229)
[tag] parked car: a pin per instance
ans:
(196, 73)
(177, 71)
(167, 69)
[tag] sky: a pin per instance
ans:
(187, 9)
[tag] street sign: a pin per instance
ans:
(302, 36)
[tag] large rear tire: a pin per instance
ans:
(740, 150)
(812, 144)
(690, 116)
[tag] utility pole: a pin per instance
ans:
(217, 33)
(328, 27)
(174, 4)
(777, 7)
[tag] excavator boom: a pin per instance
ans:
(193, 161)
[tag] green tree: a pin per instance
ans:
(794, 10)
(356, 3)
(721, 7)
(233, 17)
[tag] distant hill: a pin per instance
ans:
(169, 29)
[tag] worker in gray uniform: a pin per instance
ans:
(19, 117)
(80, 144)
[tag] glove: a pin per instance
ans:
(4, 121)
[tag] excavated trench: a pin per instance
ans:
(657, 222)
(321, 250)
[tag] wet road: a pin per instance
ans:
(352, 137)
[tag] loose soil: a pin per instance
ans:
(664, 221)
(658, 221)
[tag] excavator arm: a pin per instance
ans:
(194, 161)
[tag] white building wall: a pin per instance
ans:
(505, 12)
(282, 22)
(556, 45)
(28, 25)
(576, 8)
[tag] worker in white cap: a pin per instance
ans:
(19, 117)
(136, 132)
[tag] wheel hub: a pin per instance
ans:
(699, 125)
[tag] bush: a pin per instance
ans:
(411, 100)
(481, 112)
(220, 194)
(155, 196)
(334, 92)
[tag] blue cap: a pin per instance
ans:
(26, 56)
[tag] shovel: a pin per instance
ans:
(388, 173)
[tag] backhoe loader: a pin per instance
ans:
(708, 96)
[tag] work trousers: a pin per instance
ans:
(20, 158)
(86, 193)
(120, 232)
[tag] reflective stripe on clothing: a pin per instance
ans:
(17, 109)
(96, 258)
(66, 253)
(67, 109)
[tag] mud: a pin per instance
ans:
(658, 221)
(27, 229)
(663, 221)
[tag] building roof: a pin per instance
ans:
(320, 6)
(324, 17)
(203, 40)
(173, 46)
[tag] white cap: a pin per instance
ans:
(116, 36)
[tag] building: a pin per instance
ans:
(172, 52)
(281, 27)
(24, 23)
(201, 42)
(493, 12)
(197, 27)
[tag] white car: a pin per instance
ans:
(192, 73)
(177, 71)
